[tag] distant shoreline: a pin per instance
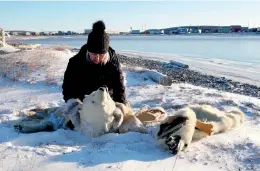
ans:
(186, 34)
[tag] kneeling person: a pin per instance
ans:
(95, 65)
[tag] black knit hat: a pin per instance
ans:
(98, 39)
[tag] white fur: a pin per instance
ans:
(100, 114)
(222, 121)
(97, 113)
(187, 131)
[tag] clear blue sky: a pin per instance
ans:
(76, 16)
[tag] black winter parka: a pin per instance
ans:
(82, 77)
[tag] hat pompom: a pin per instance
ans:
(99, 26)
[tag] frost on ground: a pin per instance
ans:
(238, 149)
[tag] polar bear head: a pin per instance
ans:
(97, 112)
(99, 100)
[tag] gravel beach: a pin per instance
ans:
(186, 75)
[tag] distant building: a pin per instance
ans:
(245, 29)
(87, 31)
(124, 33)
(44, 33)
(23, 33)
(236, 28)
(113, 32)
(26, 33)
(14, 33)
(35, 33)
(61, 33)
(253, 30)
(154, 31)
(171, 30)
(195, 30)
(224, 29)
(209, 29)
(69, 32)
(182, 30)
(52, 33)
(135, 32)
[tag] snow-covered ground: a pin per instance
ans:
(236, 150)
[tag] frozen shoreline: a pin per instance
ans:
(186, 75)
(237, 71)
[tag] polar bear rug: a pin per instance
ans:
(99, 114)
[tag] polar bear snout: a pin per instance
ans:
(101, 96)
(103, 88)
